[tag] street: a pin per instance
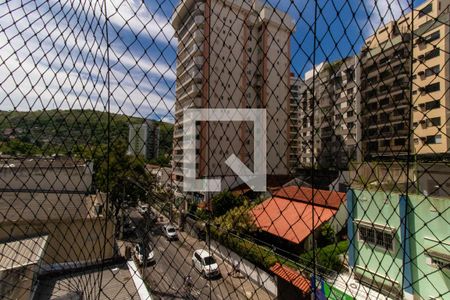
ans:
(173, 262)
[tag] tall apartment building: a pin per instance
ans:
(385, 70)
(143, 140)
(387, 85)
(328, 115)
(232, 54)
(431, 79)
(297, 88)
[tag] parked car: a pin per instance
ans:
(170, 232)
(205, 263)
(143, 254)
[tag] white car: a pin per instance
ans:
(170, 232)
(143, 254)
(205, 263)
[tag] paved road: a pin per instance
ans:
(174, 262)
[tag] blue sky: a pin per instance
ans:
(54, 55)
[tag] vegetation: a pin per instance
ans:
(67, 132)
(237, 220)
(123, 176)
(327, 258)
(225, 201)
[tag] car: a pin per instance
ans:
(205, 263)
(143, 254)
(170, 232)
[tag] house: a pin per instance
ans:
(293, 213)
(400, 245)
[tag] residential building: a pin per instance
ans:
(431, 83)
(143, 140)
(232, 55)
(293, 214)
(399, 244)
(47, 205)
(297, 89)
(388, 91)
(328, 119)
(385, 100)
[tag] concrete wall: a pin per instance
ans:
(81, 240)
(260, 277)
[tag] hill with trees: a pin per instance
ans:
(70, 132)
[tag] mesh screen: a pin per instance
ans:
(224, 149)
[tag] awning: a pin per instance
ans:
(292, 276)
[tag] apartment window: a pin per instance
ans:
(377, 237)
(434, 121)
(434, 87)
(432, 71)
(426, 10)
(349, 114)
(432, 104)
(432, 54)
(433, 139)
(432, 37)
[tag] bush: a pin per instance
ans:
(327, 258)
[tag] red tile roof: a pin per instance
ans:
(330, 199)
(292, 276)
(289, 219)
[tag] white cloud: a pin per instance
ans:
(381, 12)
(52, 60)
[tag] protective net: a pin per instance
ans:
(224, 149)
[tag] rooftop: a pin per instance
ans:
(290, 214)
(292, 276)
(113, 282)
(21, 253)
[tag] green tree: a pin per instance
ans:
(224, 201)
(237, 220)
(123, 176)
(327, 235)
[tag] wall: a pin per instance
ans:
(429, 225)
(69, 241)
(257, 275)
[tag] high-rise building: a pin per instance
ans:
(143, 140)
(327, 114)
(431, 83)
(232, 55)
(388, 90)
(297, 88)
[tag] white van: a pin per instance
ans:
(205, 263)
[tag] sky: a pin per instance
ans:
(56, 54)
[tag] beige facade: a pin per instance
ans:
(431, 79)
(232, 54)
(387, 89)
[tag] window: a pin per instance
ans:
(434, 87)
(377, 237)
(432, 37)
(434, 121)
(432, 54)
(432, 71)
(426, 10)
(433, 139)
(432, 105)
